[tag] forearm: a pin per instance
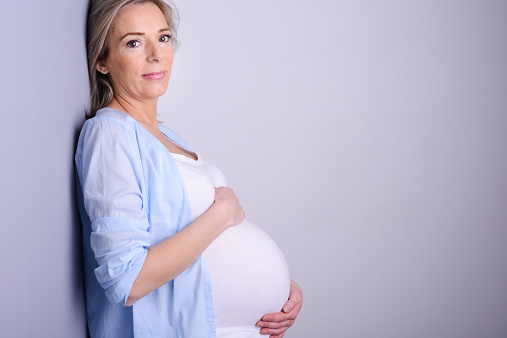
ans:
(169, 258)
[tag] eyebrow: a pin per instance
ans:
(141, 33)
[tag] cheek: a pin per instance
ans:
(169, 54)
(125, 69)
(125, 60)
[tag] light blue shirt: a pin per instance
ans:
(131, 196)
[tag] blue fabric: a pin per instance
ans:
(131, 196)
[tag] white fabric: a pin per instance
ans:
(250, 277)
(238, 332)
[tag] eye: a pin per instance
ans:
(133, 43)
(165, 38)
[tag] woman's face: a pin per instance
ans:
(140, 53)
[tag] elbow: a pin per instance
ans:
(135, 294)
(130, 301)
(132, 298)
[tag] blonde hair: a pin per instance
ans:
(101, 16)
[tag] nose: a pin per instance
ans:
(155, 53)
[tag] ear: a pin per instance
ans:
(101, 67)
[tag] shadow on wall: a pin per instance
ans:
(77, 236)
(77, 270)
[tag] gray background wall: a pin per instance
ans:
(43, 93)
(367, 138)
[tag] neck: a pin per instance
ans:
(144, 112)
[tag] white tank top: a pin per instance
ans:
(250, 277)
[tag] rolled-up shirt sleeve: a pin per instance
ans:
(111, 178)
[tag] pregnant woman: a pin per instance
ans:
(167, 250)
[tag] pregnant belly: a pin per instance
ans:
(249, 274)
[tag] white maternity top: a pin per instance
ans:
(250, 277)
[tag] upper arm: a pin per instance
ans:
(110, 174)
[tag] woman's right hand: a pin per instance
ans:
(228, 207)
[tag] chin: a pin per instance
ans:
(156, 92)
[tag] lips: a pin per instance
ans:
(154, 76)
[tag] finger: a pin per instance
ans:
(275, 325)
(290, 305)
(295, 297)
(281, 316)
(273, 332)
(277, 317)
(292, 310)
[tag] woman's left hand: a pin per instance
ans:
(275, 324)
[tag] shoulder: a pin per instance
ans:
(109, 116)
(109, 124)
(109, 128)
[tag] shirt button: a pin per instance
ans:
(207, 287)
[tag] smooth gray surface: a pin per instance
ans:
(369, 139)
(43, 93)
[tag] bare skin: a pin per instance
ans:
(169, 258)
(139, 66)
(275, 324)
(152, 127)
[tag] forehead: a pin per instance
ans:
(143, 17)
